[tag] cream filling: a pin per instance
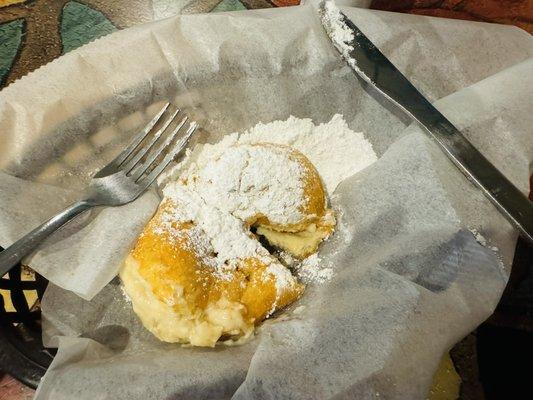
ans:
(175, 322)
(298, 244)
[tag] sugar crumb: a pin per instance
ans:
(312, 270)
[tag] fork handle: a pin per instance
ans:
(27, 244)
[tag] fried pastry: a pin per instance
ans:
(198, 272)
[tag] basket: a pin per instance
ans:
(22, 354)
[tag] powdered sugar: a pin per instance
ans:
(312, 269)
(254, 180)
(479, 237)
(218, 237)
(482, 241)
(340, 34)
(336, 151)
(333, 148)
(232, 180)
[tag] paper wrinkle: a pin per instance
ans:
(142, 356)
(409, 42)
(498, 126)
(410, 278)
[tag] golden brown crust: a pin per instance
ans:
(166, 261)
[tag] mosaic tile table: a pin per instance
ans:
(35, 32)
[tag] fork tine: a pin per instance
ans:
(113, 166)
(176, 149)
(142, 168)
(139, 138)
(132, 163)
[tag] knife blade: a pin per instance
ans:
(377, 71)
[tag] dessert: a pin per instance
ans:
(199, 272)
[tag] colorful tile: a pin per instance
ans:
(10, 41)
(82, 24)
(229, 5)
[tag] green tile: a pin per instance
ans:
(81, 24)
(229, 5)
(10, 40)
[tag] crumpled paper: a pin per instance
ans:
(410, 277)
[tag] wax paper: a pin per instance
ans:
(411, 277)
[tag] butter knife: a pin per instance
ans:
(384, 78)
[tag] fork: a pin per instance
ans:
(119, 182)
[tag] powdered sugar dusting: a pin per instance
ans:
(220, 194)
(336, 151)
(479, 237)
(482, 241)
(312, 269)
(218, 237)
(340, 34)
(254, 180)
(232, 180)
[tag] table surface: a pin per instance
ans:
(34, 32)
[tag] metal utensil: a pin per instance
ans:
(383, 77)
(119, 182)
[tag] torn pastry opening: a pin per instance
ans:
(300, 244)
(198, 272)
